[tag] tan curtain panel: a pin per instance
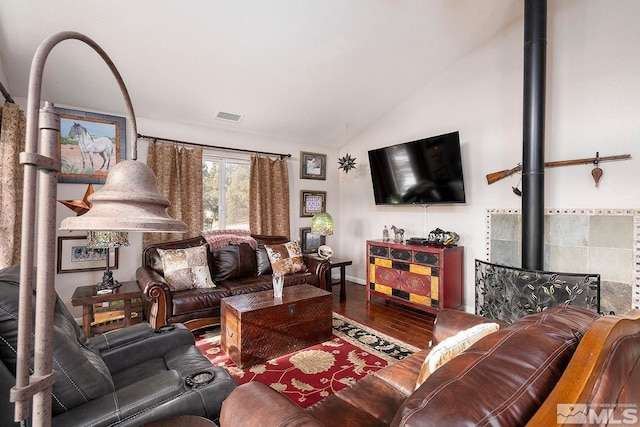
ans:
(269, 197)
(12, 142)
(179, 174)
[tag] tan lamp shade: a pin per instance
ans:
(129, 201)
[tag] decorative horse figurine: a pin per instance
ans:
(89, 145)
(399, 233)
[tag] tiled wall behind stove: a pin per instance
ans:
(578, 241)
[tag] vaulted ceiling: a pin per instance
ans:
(296, 70)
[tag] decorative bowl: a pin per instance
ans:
(325, 252)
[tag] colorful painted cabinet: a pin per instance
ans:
(428, 278)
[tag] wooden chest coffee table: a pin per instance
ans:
(257, 327)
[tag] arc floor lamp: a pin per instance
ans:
(129, 201)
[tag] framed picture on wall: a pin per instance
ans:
(313, 165)
(90, 144)
(312, 202)
(74, 256)
(309, 243)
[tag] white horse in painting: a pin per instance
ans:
(90, 145)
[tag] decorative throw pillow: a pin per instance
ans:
(186, 268)
(286, 258)
(450, 347)
(262, 260)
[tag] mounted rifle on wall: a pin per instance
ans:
(596, 172)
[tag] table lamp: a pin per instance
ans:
(107, 240)
(322, 225)
(129, 201)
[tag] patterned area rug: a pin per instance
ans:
(310, 375)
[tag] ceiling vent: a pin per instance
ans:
(230, 117)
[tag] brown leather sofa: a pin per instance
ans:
(517, 375)
(235, 269)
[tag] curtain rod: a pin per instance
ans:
(282, 156)
(6, 94)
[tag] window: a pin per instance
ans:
(225, 193)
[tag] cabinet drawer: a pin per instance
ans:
(401, 254)
(381, 251)
(426, 258)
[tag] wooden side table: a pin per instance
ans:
(86, 296)
(342, 264)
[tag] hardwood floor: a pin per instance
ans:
(401, 322)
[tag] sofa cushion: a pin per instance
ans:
(515, 368)
(451, 347)
(449, 322)
(402, 376)
(233, 262)
(262, 257)
(286, 258)
(151, 257)
(372, 403)
(262, 260)
(195, 300)
(186, 268)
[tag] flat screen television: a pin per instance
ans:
(426, 171)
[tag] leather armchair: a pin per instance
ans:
(125, 377)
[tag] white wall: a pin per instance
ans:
(593, 102)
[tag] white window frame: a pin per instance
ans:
(223, 159)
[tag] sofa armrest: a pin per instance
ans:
(602, 373)
(256, 404)
(319, 267)
(120, 337)
(155, 290)
(128, 402)
(120, 353)
(449, 322)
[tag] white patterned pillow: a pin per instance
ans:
(186, 268)
(450, 347)
(286, 258)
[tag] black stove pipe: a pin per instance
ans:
(535, 44)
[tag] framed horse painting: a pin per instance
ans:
(90, 144)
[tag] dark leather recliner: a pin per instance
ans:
(126, 377)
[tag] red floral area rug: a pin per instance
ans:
(310, 375)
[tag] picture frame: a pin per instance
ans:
(74, 256)
(313, 165)
(89, 145)
(309, 242)
(312, 202)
